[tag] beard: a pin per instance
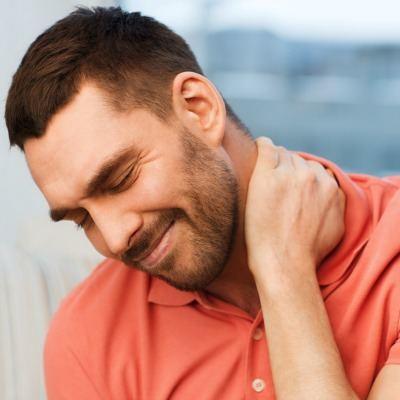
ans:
(207, 232)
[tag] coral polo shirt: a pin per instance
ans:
(123, 335)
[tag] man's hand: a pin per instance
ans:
(293, 219)
(294, 211)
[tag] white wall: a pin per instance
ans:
(21, 21)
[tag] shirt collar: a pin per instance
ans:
(161, 292)
(332, 269)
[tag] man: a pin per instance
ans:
(236, 269)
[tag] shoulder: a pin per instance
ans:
(378, 269)
(108, 283)
(111, 288)
(382, 250)
(77, 352)
(378, 189)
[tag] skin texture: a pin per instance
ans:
(285, 269)
(199, 172)
(209, 230)
(286, 242)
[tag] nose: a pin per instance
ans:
(115, 227)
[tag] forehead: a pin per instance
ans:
(78, 138)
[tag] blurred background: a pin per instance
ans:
(321, 77)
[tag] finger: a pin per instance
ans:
(318, 167)
(267, 153)
(285, 158)
(323, 175)
(321, 172)
(331, 173)
(299, 162)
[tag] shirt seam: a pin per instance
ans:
(378, 182)
(397, 340)
(77, 359)
(398, 327)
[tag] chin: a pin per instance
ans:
(190, 279)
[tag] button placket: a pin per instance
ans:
(257, 381)
(258, 333)
(258, 385)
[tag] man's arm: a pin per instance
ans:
(387, 384)
(305, 361)
(294, 218)
(304, 358)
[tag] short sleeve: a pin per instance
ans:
(394, 352)
(65, 375)
(395, 180)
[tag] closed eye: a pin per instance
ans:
(122, 183)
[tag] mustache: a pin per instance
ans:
(153, 232)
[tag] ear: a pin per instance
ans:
(199, 107)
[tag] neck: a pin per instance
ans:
(236, 284)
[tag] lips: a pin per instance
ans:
(154, 245)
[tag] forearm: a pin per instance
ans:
(304, 358)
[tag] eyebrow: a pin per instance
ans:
(100, 177)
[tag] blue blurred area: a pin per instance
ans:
(337, 99)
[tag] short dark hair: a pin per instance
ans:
(134, 58)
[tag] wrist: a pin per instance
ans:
(277, 279)
(282, 269)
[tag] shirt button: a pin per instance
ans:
(257, 334)
(258, 385)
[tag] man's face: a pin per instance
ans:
(150, 194)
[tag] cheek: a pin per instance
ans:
(157, 188)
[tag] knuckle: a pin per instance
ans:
(313, 163)
(283, 180)
(282, 150)
(331, 186)
(264, 143)
(299, 159)
(308, 176)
